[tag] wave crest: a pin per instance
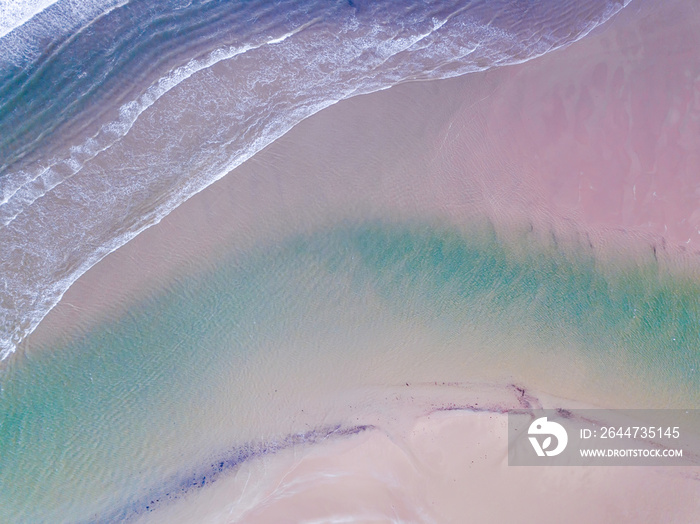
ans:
(119, 145)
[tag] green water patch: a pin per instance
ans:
(94, 424)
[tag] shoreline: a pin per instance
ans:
(162, 149)
(385, 410)
(413, 139)
(475, 429)
(310, 336)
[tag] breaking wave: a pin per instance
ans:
(114, 113)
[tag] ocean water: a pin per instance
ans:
(263, 351)
(113, 113)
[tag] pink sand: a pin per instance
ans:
(604, 135)
(439, 466)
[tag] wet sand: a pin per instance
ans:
(440, 466)
(598, 141)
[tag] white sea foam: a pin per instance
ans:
(44, 179)
(20, 41)
(309, 74)
(14, 13)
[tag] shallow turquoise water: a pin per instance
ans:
(135, 404)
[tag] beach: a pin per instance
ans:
(335, 330)
(430, 475)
